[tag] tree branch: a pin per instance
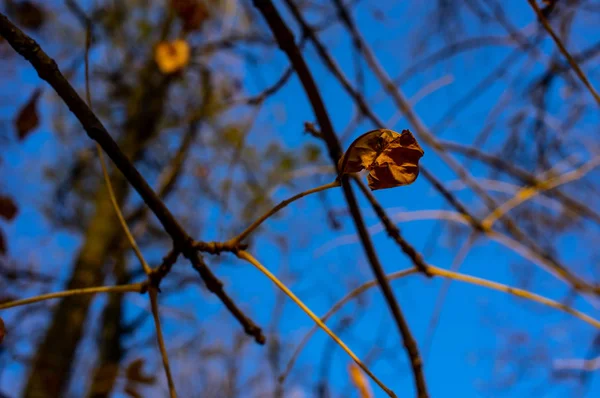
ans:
(286, 42)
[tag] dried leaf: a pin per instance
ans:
(28, 14)
(135, 374)
(193, 13)
(131, 391)
(392, 159)
(172, 56)
(2, 331)
(8, 208)
(27, 120)
(360, 381)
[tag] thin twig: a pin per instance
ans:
(522, 175)
(564, 51)
(280, 206)
(392, 230)
(152, 289)
(446, 274)
(459, 258)
(336, 307)
(527, 193)
(109, 187)
(134, 287)
(152, 293)
(244, 255)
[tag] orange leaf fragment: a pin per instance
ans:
(391, 158)
(360, 381)
(172, 56)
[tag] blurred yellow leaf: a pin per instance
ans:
(172, 56)
(392, 159)
(360, 381)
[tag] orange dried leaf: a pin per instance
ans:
(360, 381)
(392, 159)
(172, 56)
(135, 373)
(27, 120)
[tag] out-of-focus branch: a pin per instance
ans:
(135, 287)
(403, 104)
(564, 51)
(521, 174)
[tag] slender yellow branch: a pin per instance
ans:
(516, 292)
(564, 51)
(336, 307)
(111, 192)
(244, 255)
(280, 206)
(134, 287)
(446, 274)
(152, 292)
(527, 193)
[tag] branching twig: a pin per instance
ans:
(152, 293)
(244, 255)
(48, 70)
(527, 193)
(239, 238)
(285, 40)
(336, 307)
(446, 274)
(564, 51)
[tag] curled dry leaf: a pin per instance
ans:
(392, 159)
(172, 56)
(192, 13)
(360, 381)
(135, 373)
(27, 119)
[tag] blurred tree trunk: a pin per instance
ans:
(50, 371)
(111, 350)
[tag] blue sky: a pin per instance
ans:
(475, 324)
